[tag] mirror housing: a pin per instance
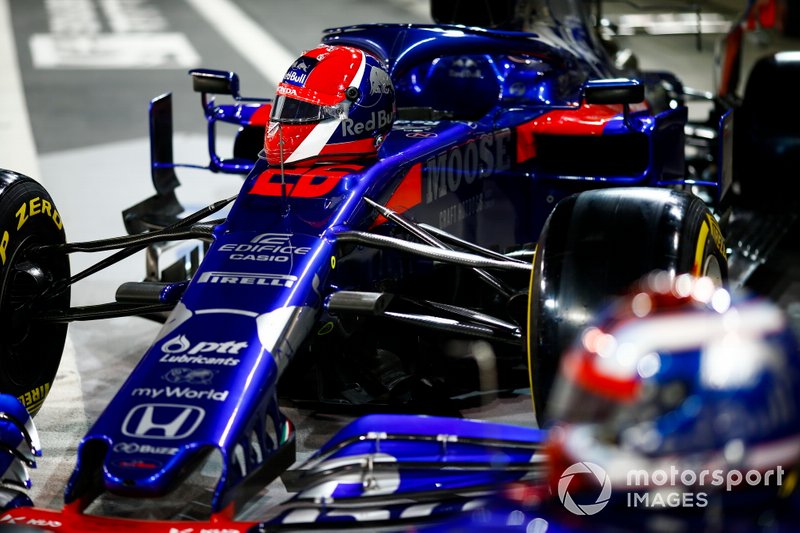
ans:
(613, 91)
(209, 81)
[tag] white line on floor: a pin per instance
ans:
(62, 417)
(17, 149)
(269, 57)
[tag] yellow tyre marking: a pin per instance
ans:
(698, 252)
(528, 343)
(333, 262)
(3, 246)
(789, 484)
(716, 235)
(325, 329)
(34, 398)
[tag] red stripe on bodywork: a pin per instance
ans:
(407, 195)
(362, 146)
(71, 520)
(260, 116)
(588, 119)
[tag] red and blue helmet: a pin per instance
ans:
(681, 376)
(335, 103)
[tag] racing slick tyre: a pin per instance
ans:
(594, 246)
(30, 350)
(766, 152)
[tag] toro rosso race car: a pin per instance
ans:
(412, 195)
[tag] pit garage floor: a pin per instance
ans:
(73, 113)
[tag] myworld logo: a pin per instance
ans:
(583, 469)
(181, 392)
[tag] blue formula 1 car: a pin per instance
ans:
(419, 201)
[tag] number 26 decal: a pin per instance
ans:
(315, 182)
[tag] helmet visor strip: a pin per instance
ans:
(287, 110)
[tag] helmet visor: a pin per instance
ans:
(291, 111)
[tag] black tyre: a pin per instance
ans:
(594, 246)
(766, 152)
(248, 143)
(30, 350)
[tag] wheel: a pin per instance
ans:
(595, 245)
(766, 150)
(30, 350)
(248, 143)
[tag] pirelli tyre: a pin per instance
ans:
(594, 246)
(30, 350)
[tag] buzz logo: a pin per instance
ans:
(135, 447)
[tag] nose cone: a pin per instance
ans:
(141, 469)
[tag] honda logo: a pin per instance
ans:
(162, 421)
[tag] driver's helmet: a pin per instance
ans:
(335, 103)
(681, 379)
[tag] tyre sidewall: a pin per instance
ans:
(595, 246)
(30, 352)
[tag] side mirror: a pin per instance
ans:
(615, 91)
(215, 82)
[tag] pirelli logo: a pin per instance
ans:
(32, 400)
(245, 278)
